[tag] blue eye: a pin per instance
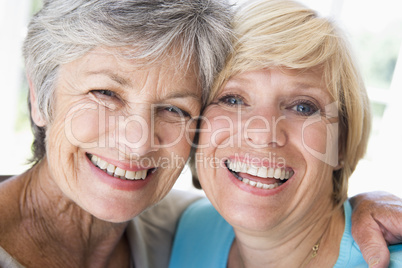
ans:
(232, 100)
(305, 108)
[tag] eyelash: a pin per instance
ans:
(168, 108)
(175, 110)
(225, 100)
(105, 92)
(314, 108)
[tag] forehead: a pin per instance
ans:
(278, 76)
(116, 65)
(316, 74)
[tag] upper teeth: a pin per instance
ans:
(118, 172)
(263, 172)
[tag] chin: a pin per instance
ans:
(114, 215)
(251, 218)
(110, 209)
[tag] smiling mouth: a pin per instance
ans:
(274, 177)
(117, 172)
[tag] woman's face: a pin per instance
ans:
(120, 134)
(268, 147)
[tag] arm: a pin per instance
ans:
(376, 222)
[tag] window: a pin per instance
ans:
(16, 137)
(375, 32)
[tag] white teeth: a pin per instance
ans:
(252, 171)
(141, 175)
(231, 165)
(110, 168)
(138, 175)
(243, 168)
(283, 174)
(261, 185)
(262, 172)
(118, 172)
(270, 173)
(94, 159)
(252, 183)
(237, 166)
(102, 164)
(130, 175)
(277, 173)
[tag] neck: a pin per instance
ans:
(61, 230)
(290, 247)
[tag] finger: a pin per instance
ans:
(372, 245)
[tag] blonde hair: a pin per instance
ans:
(281, 33)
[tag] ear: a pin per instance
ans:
(35, 113)
(340, 165)
(341, 162)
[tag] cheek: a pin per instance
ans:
(82, 126)
(319, 136)
(176, 137)
(320, 140)
(61, 155)
(217, 130)
(170, 134)
(314, 138)
(56, 142)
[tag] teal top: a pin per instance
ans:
(203, 239)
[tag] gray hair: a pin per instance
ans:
(65, 30)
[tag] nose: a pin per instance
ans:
(265, 129)
(136, 135)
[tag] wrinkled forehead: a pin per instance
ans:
(133, 57)
(115, 65)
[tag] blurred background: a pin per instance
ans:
(374, 29)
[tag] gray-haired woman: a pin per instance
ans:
(114, 89)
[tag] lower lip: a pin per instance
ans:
(254, 190)
(117, 183)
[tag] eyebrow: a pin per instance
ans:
(122, 81)
(183, 94)
(237, 80)
(309, 86)
(113, 76)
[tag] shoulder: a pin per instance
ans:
(202, 217)
(198, 210)
(395, 256)
(9, 221)
(203, 238)
(7, 261)
(10, 194)
(151, 233)
(167, 212)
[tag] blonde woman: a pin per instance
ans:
(287, 123)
